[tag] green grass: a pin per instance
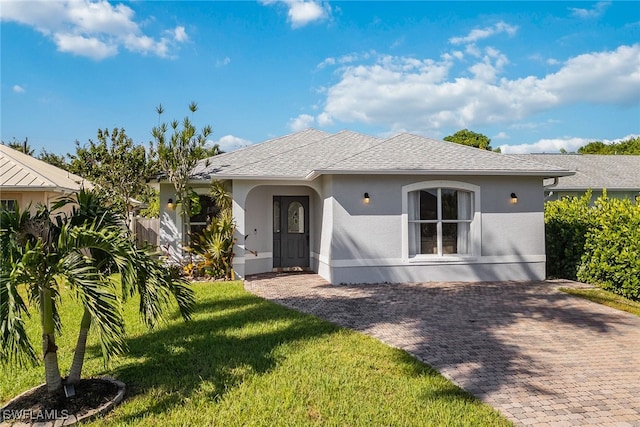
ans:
(606, 298)
(246, 361)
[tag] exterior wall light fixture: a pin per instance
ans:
(367, 199)
(514, 198)
(170, 204)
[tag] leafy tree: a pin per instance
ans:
(56, 160)
(118, 166)
(472, 139)
(177, 154)
(23, 147)
(43, 253)
(628, 146)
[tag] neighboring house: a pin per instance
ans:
(28, 181)
(358, 209)
(619, 174)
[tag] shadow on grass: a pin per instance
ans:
(226, 340)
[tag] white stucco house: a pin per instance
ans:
(359, 209)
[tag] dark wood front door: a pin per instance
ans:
(291, 231)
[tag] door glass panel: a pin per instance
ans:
(295, 218)
(276, 216)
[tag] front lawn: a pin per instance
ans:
(246, 361)
(606, 298)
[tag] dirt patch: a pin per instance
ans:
(91, 396)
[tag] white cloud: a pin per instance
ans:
(501, 135)
(180, 34)
(230, 143)
(595, 12)
(554, 145)
(421, 94)
(303, 12)
(483, 33)
(18, 89)
(302, 122)
(94, 29)
(223, 62)
(345, 59)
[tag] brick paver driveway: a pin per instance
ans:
(539, 356)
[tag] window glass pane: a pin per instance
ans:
(429, 204)
(455, 238)
(428, 238)
(456, 204)
(8, 204)
(464, 205)
(449, 204)
(295, 218)
(449, 239)
(208, 210)
(276, 216)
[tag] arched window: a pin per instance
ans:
(440, 218)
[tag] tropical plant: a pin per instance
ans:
(42, 253)
(213, 247)
(177, 155)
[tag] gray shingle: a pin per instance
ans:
(593, 170)
(307, 154)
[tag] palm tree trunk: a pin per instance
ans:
(75, 372)
(49, 349)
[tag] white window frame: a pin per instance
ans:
(474, 227)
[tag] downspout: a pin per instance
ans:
(547, 187)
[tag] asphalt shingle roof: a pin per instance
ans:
(307, 154)
(614, 172)
(21, 172)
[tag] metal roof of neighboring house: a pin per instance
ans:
(310, 153)
(596, 171)
(21, 172)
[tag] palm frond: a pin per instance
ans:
(15, 347)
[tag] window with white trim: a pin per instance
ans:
(440, 221)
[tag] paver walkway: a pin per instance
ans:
(539, 356)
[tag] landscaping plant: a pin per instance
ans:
(213, 247)
(80, 251)
(597, 244)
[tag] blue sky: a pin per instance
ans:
(533, 76)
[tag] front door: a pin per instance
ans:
(291, 231)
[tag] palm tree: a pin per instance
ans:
(80, 250)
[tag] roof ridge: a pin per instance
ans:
(328, 135)
(381, 140)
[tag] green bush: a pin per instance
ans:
(566, 224)
(597, 244)
(611, 256)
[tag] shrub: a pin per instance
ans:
(566, 224)
(611, 257)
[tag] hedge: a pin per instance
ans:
(597, 244)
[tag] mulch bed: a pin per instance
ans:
(38, 406)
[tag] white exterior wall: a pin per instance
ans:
(367, 244)
(253, 213)
(354, 242)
